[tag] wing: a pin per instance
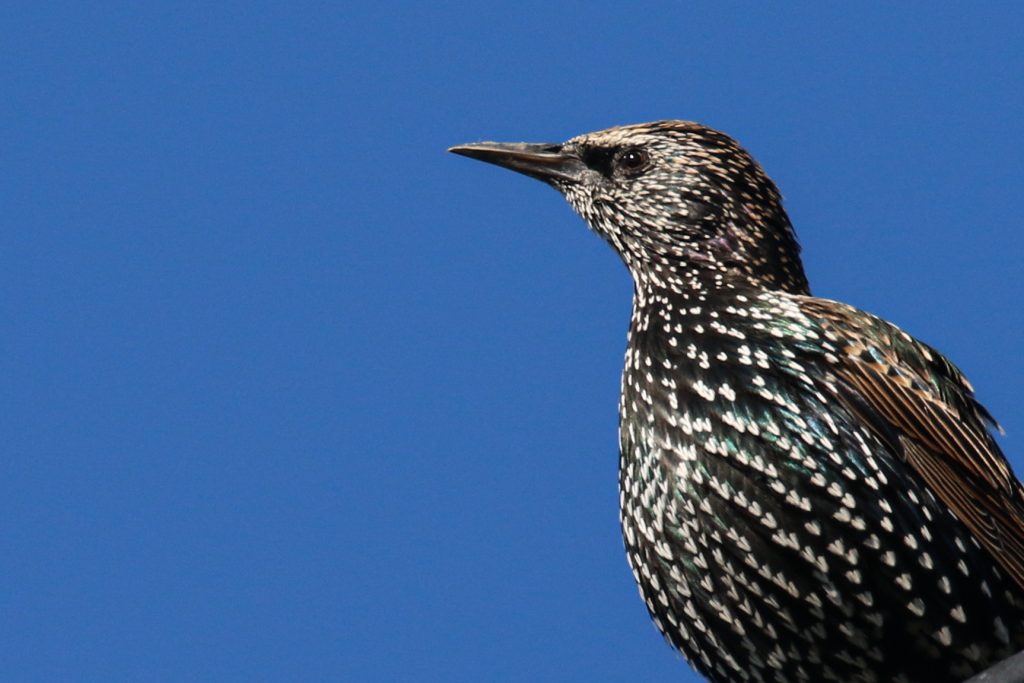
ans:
(922, 405)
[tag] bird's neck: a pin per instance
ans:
(759, 252)
(669, 304)
(693, 280)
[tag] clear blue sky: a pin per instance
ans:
(291, 394)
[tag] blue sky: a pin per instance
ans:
(292, 394)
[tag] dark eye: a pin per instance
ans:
(632, 160)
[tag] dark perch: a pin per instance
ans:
(1010, 670)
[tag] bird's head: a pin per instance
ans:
(672, 197)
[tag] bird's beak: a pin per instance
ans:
(547, 162)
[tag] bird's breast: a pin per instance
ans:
(754, 504)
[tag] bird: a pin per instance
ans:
(807, 492)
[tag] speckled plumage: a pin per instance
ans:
(807, 492)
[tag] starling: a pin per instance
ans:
(807, 493)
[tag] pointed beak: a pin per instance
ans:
(547, 162)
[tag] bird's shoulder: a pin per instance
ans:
(923, 406)
(889, 364)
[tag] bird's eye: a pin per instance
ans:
(632, 160)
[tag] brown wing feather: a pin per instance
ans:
(996, 524)
(929, 407)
